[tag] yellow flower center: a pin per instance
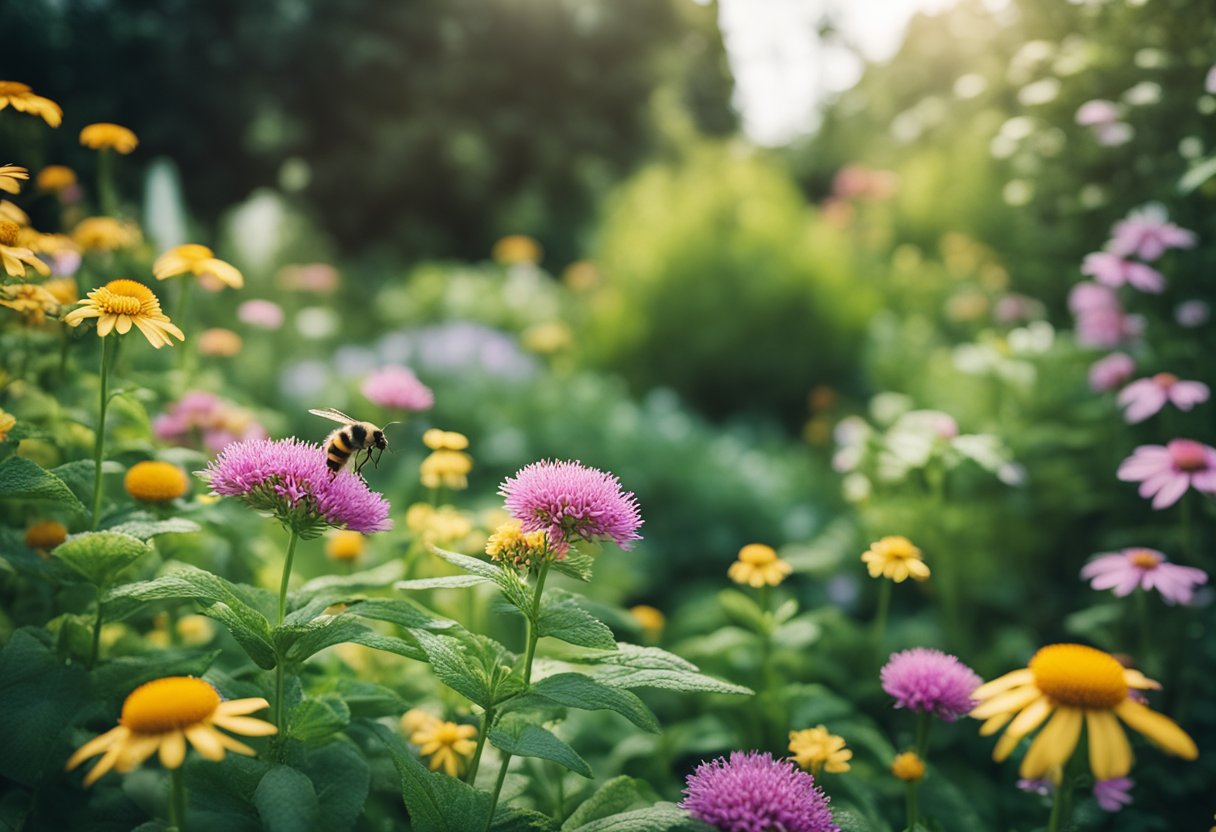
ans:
(908, 767)
(167, 704)
(124, 297)
(44, 536)
(757, 554)
(8, 232)
(1144, 559)
(1080, 676)
(155, 482)
(448, 733)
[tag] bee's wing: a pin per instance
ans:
(335, 415)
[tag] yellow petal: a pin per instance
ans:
(234, 744)
(123, 325)
(105, 324)
(993, 724)
(245, 725)
(1012, 679)
(1025, 722)
(1160, 729)
(96, 746)
(1110, 754)
(1136, 679)
(203, 738)
(173, 750)
(103, 765)
(1054, 744)
(226, 272)
(1007, 702)
(241, 707)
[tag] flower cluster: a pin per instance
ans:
(757, 566)
(447, 466)
(397, 388)
(204, 420)
(511, 544)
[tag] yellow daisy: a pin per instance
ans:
(447, 465)
(757, 566)
(448, 744)
(104, 234)
(1079, 685)
(55, 178)
(819, 750)
(197, 260)
(895, 557)
(9, 211)
(34, 302)
(23, 99)
(9, 176)
(161, 715)
(153, 481)
(104, 135)
(16, 258)
(122, 303)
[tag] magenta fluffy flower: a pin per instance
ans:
(1110, 372)
(930, 681)
(752, 792)
(1113, 795)
(399, 389)
(1147, 233)
(571, 502)
(1145, 397)
(1148, 569)
(289, 479)
(1113, 270)
(1166, 472)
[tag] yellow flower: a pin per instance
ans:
(63, 289)
(445, 440)
(581, 276)
(218, 342)
(908, 767)
(55, 178)
(155, 482)
(196, 629)
(9, 211)
(437, 526)
(15, 257)
(896, 558)
(447, 465)
(547, 338)
(31, 301)
(650, 619)
(1079, 685)
(40, 243)
(7, 420)
(818, 750)
(516, 250)
(104, 234)
(122, 303)
(23, 100)
(417, 719)
(45, 535)
(163, 714)
(344, 545)
(758, 565)
(104, 135)
(9, 174)
(446, 743)
(511, 544)
(198, 261)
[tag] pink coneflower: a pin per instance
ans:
(1165, 472)
(289, 479)
(1146, 396)
(1113, 270)
(264, 314)
(752, 792)
(1147, 233)
(1102, 118)
(1148, 569)
(571, 502)
(1110, 372)
(930, 681)
(399, 389)
(1101, 321)
(1113, 795)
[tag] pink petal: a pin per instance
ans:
(1187, 394)
(1103, 564)
(1170, 492)
(1149, 400)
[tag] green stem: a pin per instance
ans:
(96, 633)
(1146, 638)
(99, 441)
(487, 719)
(291, 554)
(279, 681)
(913, 808)
(880, 618)
(923, 723)
(183, 354)
(105, 183)
(1061, 805)
(177, 801)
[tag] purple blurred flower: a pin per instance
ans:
(1101, 321)
(289, 479)
(752, 792)
(1146, 396)
(1013, 308)
(1148, 233)
(202, 419)
(930, 681)
(1165, 472)
(398, 388)
(1113, 270)
(65, 263)
(1041, 787)
(1192, 313)
(1109, 372)
(1148, 569)
(572, 502)
(1112, 795)
(1102, 118)
(264, 314)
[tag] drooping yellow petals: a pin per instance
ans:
(22, 99)
(108, 136)
(121, 304)
(196, 260)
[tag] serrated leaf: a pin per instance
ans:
(376, 578)
(99, 556)
(146, 529)
(367, 700)
(515, 590)
(576, 564)
(575, 690)
(286, 800)
(298, 642)
(657, 818)
(21, 479)
(342, 780)
(620, 794)
(444, 582)
(515, 735)
(633, 666)
(562, 618)
(399, 611)
(316, 719)
(450, 662)
(436, 802)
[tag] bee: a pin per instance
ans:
(354, 436)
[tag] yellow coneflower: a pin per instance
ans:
(10, 211)
(45, 535)
(908, 767)
(344, 545)
(198, 261)
(447, 466)
(34, 302)
(40, 243)
(516, 250)
(650, 619)
(63, 289)
(418, 719)
(448, 744)
(122, 303)
(894, 557)
(105, 234)
(153, 481)
(161, 716)
(757, 566)
(10, 176)
(817, 749)
(16, 258)
(219, 342)
(1079, 685)
(107, 136)
(55, 178)
(511, 544)
(7, 421)
(22, 99)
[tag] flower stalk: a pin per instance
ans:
(279, 673)
(107, 359)
(177, 800)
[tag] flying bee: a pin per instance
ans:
(350, 439)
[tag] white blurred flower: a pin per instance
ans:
(1143, 94)
(970, 85)
(317, 322)
(886, 407)
(1042, 91)
(856, 488)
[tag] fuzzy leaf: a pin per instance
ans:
(620, 794)
(21, 479)
(317, 719)
(574, 690)
(100, 556)
(286, 801)
(576, 564)
(146, 529)
(451, 663)
(562, 618)
(744, 610)
(632, 666)
(505, 579)
(444, 582)
(657, 818)
(436, 802)
(342, 779)
(516, 736)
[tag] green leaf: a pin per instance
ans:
(99, 556)
(286, 801)
(445, 582)
(562, 618)
(574, 690)
(850, 820)
(515, 735)
(576, 564)
(1198, 174)
(317, 719)
(367, 700)
(400, 611)
(436, 802)
(632, 666)
(377, 578)
(743, 609)
(117, 677)
(21, 479)
(515, 590)
(657, 818)
(620, 794)
(147, 529)
(342, 779)
(450, 662)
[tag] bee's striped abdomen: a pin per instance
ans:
(338, 451)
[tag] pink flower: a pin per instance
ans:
(1192, 313)
(1147, 569)
(264, 314)
(398, 388)
(751, 792)
(1144, 397)
(1165, 473)
(571, 502)
(1112, 795)
(1098, 111)
(1148, 233)
(930, 681)
(1101, 321)
(1109, 372)
(1112, 270)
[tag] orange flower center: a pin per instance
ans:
(125, 297)
(8, 232)
(167, 704)
(1165, 379)
(1144, 559)
(155, 481)
(1080, 676)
